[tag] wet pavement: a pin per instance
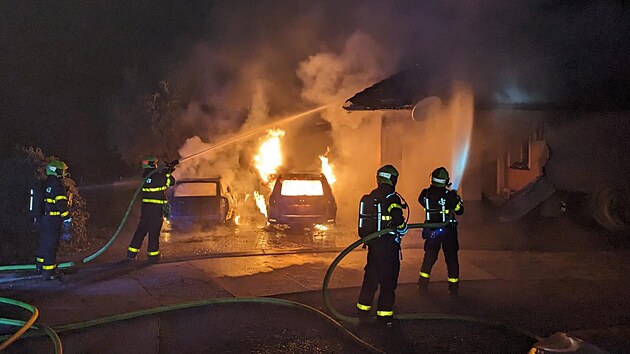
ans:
(545, 277)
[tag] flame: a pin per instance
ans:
(261, 203)
(320, 227)
(269, 156)
(267, 161)
(237, 219)
(327, 169)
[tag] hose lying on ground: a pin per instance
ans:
(24, 326)
(414, 316)
(326, 298)
(32, 267)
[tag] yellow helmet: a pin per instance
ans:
(56, 168)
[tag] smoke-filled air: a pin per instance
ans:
(252, 66)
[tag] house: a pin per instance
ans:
(521, 149)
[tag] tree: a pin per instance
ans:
(22, 170)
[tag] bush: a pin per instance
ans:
(23, 168)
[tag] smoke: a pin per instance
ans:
(447, 126)
(256, 60)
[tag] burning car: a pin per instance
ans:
(200, 201)
(302, 198)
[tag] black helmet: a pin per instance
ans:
(440, 178)
(387, 174)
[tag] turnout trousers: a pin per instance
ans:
(447, 241)
(382, 269)
(151, 218)
(50, 230)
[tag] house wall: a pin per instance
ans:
(499, 137)
(519, 178)
(416, 149)
(581, 151)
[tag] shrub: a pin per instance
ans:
(22, 169)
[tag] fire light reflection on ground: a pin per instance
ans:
(246, 238)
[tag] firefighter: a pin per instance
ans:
(153, 208)
(441, 205)
(383, 258)
(55, 221)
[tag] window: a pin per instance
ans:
(196, 189)
(302, 187)
(519, 159)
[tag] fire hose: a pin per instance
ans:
(32, 267)
(337, 321)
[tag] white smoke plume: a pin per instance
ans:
(256, 60)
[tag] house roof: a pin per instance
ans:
(404, 89)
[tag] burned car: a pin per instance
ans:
(199, 201)
(302, 198)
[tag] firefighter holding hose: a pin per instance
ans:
(441, 205)
(382, 209)
(153, 207)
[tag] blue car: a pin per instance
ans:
(302, 198)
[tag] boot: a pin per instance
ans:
(132, 255)
(51, 274)
(387, 321)
(155, 259)
(423, 283)
(453, 288)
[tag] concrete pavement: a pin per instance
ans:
(128, 286)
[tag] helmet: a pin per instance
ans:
(56, 168)
(387, 174)
(149, 161)
(440, 178)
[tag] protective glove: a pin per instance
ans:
(170, 166)
(67, 228)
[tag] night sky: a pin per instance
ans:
(66, 65)
(62, 61)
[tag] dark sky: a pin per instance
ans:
(65, 64)
(61, 62)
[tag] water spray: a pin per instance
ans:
(462, 132)
(459, 161)
(256, 131)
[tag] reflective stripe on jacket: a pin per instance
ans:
(55, 198)
(154, 188)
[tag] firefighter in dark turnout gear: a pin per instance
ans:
(441, 205)
(55, 220)
(383, 258)
(152, 210)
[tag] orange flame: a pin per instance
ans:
(327, 169)
(269, 156)
(267, 161)
(261, 203)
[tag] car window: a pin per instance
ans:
(295, 187)
(196, 189)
